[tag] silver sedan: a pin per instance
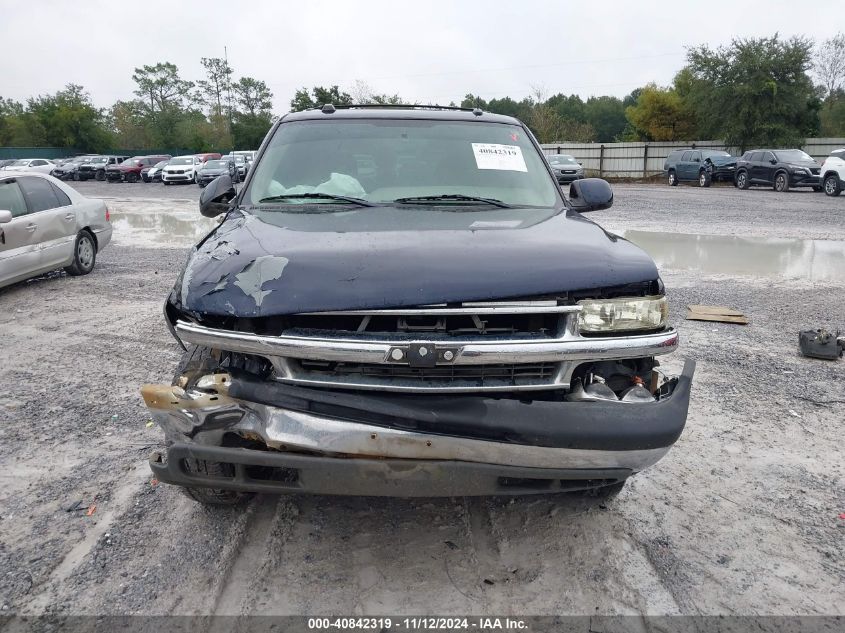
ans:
(45, 224)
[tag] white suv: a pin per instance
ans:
(833, 172)
(180, 169)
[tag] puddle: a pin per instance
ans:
(813, 260)
(166, 229)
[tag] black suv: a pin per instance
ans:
(95, 167)
(402, 302)
(778, 168)
(699, 165)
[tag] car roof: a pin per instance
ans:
(437, 113)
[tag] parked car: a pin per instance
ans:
(68, 170)
(130, 169)
(241, 164)
(565, 168)
(703, 166)
(449, 324)
(95, 168)
(153, 172)
(833, 173)
(38, 165)
(45, 224)
(209, 156)
(180, 169)
(211, 169)
(778, 168)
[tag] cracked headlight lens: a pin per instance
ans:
(623, 314)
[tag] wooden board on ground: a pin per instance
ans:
(720, 314)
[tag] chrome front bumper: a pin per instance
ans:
(545, 447)
(567, 349)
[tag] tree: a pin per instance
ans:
(660, 115)
(606, 116)
(68, 119)
(253, 97)
(754, 92)
(830, 64)
(214, 90)
(302, 100)
(161, 87)
(253, 116)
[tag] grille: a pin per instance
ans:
(482, 375)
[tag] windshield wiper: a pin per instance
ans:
(318, 196)
(459, 197)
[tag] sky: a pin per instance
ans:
(427, 52)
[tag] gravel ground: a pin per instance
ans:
(741, 517)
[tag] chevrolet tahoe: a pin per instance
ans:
(402, 302)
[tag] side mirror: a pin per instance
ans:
(5, 216)
(773, 161)
(215, 198)
(590, 194)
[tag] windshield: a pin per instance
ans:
(383, 160)
(182, 161)
(215, 164)
(563, 159)
(715, 152)
(99, 160)
(20, 163)
(792, 154)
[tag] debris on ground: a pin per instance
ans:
(91, 510)
(821, 344)
(720, 314)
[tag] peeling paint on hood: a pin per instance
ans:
(282, 262)
(260, 271)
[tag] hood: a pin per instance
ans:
(216, 171)
(722, 160)
(276, 263)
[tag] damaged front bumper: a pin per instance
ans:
(316, 441)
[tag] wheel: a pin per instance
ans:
(742, 180)
(704, 178)
(832, 185)
(781, 182)
(84, 255)
(76, 176)
(100, 175)
(673, 179)
(196, 362)
(132, 178)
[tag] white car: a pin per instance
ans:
(833, 173)
(180, 169)
(39, 165)
(45, 224)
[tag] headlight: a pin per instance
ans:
(798, 168)
(623, 314)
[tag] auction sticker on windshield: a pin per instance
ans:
(501, 157)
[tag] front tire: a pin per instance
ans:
(704, 178)
(781, 184)
(84, 255)
(101, 175)
(742, 180)
(832, 185)
(673, 178)
(197, 361)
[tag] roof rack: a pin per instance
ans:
(331, 107)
